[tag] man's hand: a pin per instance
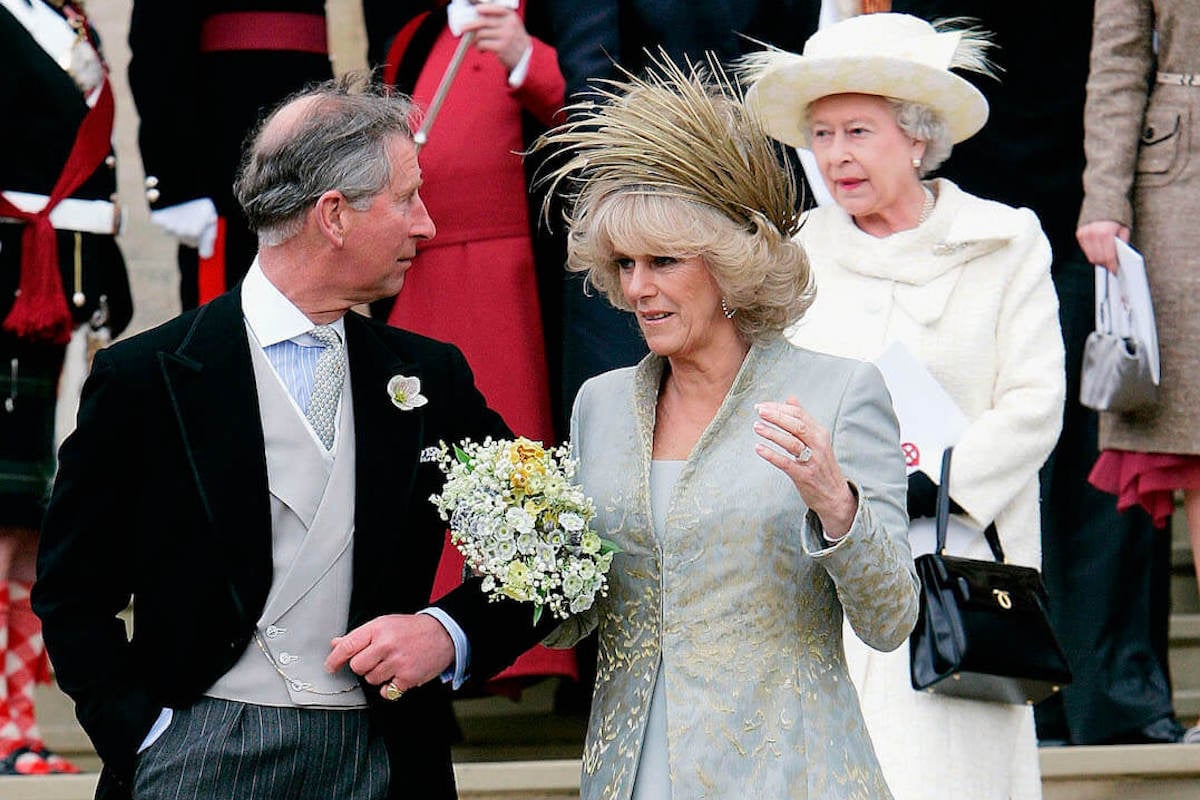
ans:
(406, 649)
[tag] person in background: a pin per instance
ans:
(1031, 154)
(1142, 185)
(203, 73)
(964, 285)
(755, 489)
(272, 526)
(476, 284)
(62, 279)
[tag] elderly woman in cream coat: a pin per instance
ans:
(964, 284)
(756, 489)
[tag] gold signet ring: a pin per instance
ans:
(392, 691)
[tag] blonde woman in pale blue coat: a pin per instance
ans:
(755, 489)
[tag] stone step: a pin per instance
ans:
(1134, 772)
(1184, 652)
(1185, 597)
(1146, 772)
(1187, 706)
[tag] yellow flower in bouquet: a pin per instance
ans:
(522, 524)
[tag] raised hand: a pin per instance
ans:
(500, 30)
(805, 454)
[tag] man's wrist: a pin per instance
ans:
(456, 673)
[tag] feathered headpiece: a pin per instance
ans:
(677, 132)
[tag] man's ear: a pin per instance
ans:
(330, 214)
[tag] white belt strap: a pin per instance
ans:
(71, 214)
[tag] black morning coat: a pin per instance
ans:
(178, 520)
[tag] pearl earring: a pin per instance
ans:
(916, 162)
(726, 310)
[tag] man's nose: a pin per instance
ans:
(422, 227)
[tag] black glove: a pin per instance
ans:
(922, 497)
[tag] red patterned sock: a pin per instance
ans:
(25, 663)
(10, 733)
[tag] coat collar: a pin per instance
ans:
(923, 264)
(210, 383)
(648, 377)
(961, 228)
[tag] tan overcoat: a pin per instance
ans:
(1143, 170)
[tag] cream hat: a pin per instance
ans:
(893, 55)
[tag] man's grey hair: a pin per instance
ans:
(921, 122)
(340, 143)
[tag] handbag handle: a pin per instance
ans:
(1105, 305)
(943, 515)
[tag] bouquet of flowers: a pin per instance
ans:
(521, 523)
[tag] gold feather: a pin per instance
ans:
(678, 131)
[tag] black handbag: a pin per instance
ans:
(983, 631)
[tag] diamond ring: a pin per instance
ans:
(391, 691)
(804, 455)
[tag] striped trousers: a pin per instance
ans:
(222, 750)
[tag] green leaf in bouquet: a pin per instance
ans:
(609, 546)
(462, 456)
(537, 613)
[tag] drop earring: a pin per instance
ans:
(726, 310)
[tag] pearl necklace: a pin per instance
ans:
(926, 207)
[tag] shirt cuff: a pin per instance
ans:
(517, 76)
(157, 729)
(457, 676)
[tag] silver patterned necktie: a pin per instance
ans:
(327, 384)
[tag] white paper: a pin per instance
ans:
(930, 420)
(816, 181)
(1129, 300)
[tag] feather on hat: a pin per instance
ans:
(674, 131)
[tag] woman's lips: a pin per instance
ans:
(849, 184)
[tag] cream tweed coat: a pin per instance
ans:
(969, 293)
(1143, 170)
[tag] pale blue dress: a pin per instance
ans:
(653, 779)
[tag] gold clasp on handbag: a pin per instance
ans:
(1003, 598)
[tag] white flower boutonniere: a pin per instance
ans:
(405, 392)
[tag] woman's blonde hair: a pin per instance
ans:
(763, 276)
(671, 163)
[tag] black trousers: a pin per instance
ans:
(1107, 572)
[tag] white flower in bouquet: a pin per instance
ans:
(523, 525)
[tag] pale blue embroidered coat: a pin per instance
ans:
(743, 600)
